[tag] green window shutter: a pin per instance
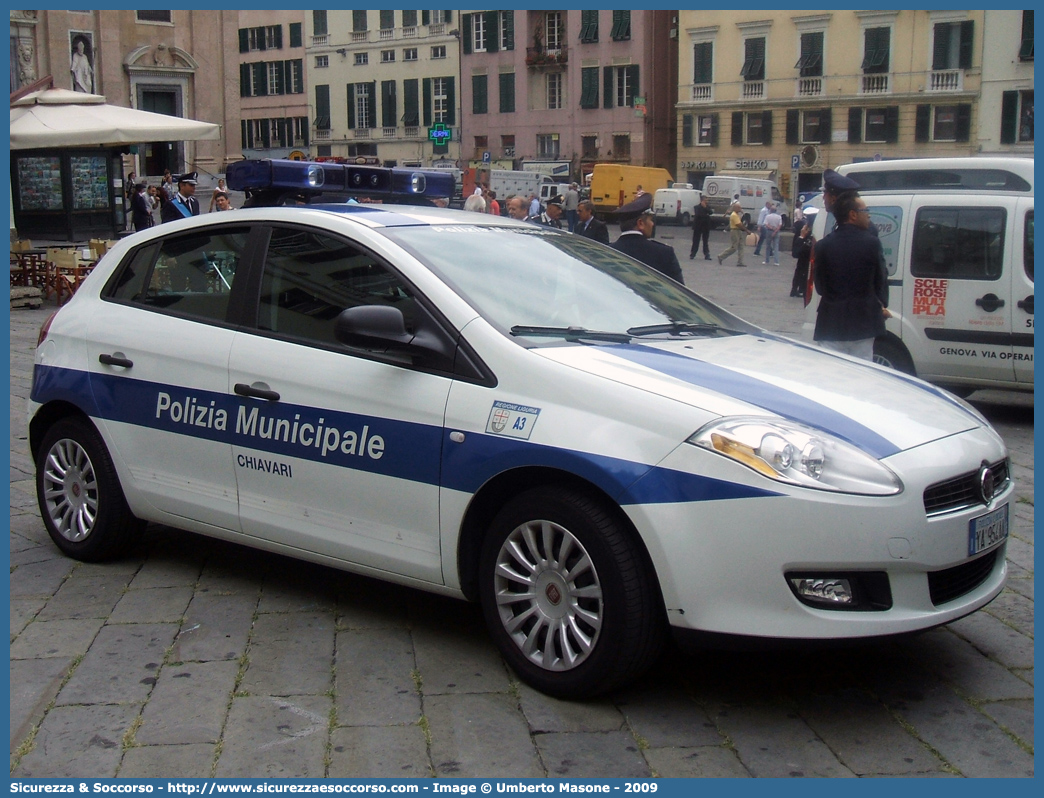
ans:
(892, 124)
(304, 128)
(509, 29)
(1009, 117)
(492, 31)
(319, 27)
(350, 90)
(589, 26)
(826, 126)
(793, 123)
(322, 107)
(244, 40)
(687, 130)
(465, 33)
(941, 46)
(389, 112)
(279, 37)
(714, 130)
(262, 43)
(387, 19)
(855, 125)
(372, 121)
(507, 93)
(296, 39)
(963, 122)
(922, 127)
(426, 91)
(964, 57)
(451, 102)
(589, 87)
(266, 134)
(703, 63)
(244, 80)
(607, 86)
(737, 128)
(260, 78)
(1026, 45)
(425, 17)
(243, 134)
(479, 94)
(766, 126)
(411, 113)
(632, 81)
(358, 21)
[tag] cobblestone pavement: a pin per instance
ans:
(198, 658)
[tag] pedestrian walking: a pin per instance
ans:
(773, 225)
(762, 214)
(851, 282)
(802, 250)
(737, 233)
(701, 225)
(572, 204)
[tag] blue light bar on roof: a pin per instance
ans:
(365, 181)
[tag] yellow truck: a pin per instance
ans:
(613, 185)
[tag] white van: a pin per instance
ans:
(958, 240)
(752, 194)
(675, 204)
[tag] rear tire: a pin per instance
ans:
(686, 219)
(893, 355)
(567, 595)
(79, 494)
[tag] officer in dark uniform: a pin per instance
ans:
(552, 215)
(834, 185)
(184, 204)
(637, 224)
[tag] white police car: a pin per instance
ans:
(503, 412)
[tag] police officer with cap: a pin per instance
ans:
(637, 224)
(184, 204)
(552, 215)
(835, 185)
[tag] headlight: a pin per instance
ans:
(798, 455)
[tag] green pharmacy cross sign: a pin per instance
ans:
(439, 133)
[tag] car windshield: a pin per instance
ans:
(545, 285)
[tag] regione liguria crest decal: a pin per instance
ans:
(515, 421)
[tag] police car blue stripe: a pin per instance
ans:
(757, 392)
(415, 452)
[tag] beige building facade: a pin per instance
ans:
(787, 94)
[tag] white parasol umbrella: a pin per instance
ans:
(63, 118)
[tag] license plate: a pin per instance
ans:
(987, 530)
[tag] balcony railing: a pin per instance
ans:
(878, 83)
(410, 32)
(545, 56)
(389, 132)
(810, 87)
(753, 90)
(360, 35)
(946, 80)
(321, 40)
(437, 29)
(362, 133)
(703, 92)
(411, 132)
(322, 135)
(387, 33)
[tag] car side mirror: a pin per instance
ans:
(372, 326)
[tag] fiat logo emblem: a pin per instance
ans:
(987, 486)
(554, 595)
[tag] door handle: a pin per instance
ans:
(256, 393)
(115, 360)
(1026, 304)
(990, 302)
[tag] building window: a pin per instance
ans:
(409, 19)
(873, 125)
(876, 43)
(507, 92)
(322, 61)
(295, 76)
(363, 106)
(479, 94)
(319, 23)
(810, 64)
(264, 38)
(478, 33)
(622, 86)
(876, 126)
(703, 63)
(751, 127)
(300, 128)
(507, 144)
(358, 21)
(296, 36)
(275, 77)
(707, 130)
(621, 30)
(554, 91)
(440, 100)
(438, 51)
(387, 56)
(755, 132)
(588, 27)
(409, 54)
(507, 30)
(387, 20)
(153, 16)
(554, 25)
(1026, 47)
(362, 59)
(813, 126)
(589, 87)
(943, 123)
(622, 146)
(547, 145)
(589, 146)
(952, 45)
(754, 59)
(1026, 116)
(481, 145)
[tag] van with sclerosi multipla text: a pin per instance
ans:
(957, 235)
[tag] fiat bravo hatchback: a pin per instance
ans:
(512, 415)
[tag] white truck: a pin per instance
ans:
(523, 184)
(752, 194)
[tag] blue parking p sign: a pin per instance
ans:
(795, 161)
(486, 157)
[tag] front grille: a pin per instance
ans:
(963, 491)
(944, 586)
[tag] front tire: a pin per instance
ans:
(79, 494)
(893, 355)
(567, 595)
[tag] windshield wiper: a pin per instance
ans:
(571, 333)
(679, 327)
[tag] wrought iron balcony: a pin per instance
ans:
(546, 56)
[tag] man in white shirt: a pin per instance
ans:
(773, 225)
(761, 225)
